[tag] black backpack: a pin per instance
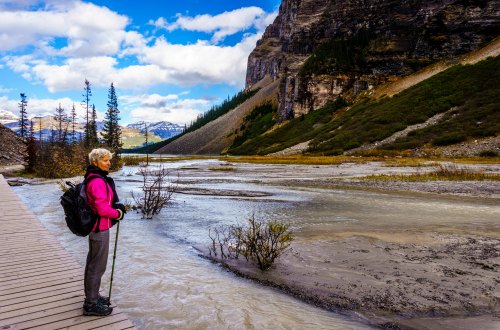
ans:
(78, 215)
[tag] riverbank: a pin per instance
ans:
(437, 276)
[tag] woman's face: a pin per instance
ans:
(104, 163)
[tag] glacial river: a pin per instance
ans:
(162, 283)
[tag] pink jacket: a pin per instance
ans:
(100, 200)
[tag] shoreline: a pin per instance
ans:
(433, 278)
(389, 285)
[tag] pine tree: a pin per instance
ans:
(31, 151)
(73, 123)
(87, 93)
(23, 118)
(61, 118)
(146, 143)
(93, 139)
(112, 131)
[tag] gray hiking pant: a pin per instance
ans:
(95, 267)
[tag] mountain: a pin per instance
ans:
(12, 150)
(163, 129)
(219, 134)
(321, 49)
(7, 117)
(329, 62)
(46, 128)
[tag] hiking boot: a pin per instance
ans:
(103, 300)
(96, 309)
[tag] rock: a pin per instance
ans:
(402, 37)
(12, 150)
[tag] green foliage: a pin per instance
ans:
(443, 173)
(112, 131)
(474, 113)
(212, 114)
(338, 54)
(488, 153)
(23, 116)
(449, 138)
(295, 131)
(468, 94)
(59, 160)
(257, 122)
(221, 109)
(259, 241)
(31, 151)
(87, 93)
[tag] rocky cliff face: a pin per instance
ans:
(12, 150)
(320, 49)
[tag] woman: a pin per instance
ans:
(103, 200)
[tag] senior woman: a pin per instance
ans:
(103, 200)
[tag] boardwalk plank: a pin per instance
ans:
(41, 284)
(113, 321)
(14, 298)
(44, 316)
(35, 309)
(39, 273)
(41, 300)
(33, 269)
(31, 265)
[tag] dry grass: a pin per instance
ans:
(222, 169)
(128, 160)
(298, 159)
(443, 173)
(409, 162)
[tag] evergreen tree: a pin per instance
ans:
(40, 129)
(146, 143)
(62, 120)
(93, 139)
(112, 131)
(31, 151)
(87, 93)
(23, 118)
(73, 123)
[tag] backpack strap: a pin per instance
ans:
(87, 181)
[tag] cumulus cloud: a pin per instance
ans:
(89, 30)
(221, 25)
(163, 62)
(155, 107)
(43, 107)
(201, 62)
(60, 43)
(5, 90)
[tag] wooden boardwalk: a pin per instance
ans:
(41, 285)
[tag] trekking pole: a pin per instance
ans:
(114, 257)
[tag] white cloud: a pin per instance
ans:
(5, 90)
(200, 63)
(221, 25)
(42, 107)
(99, 48)
(155, 107)
(89, 30)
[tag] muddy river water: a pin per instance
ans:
(162, 283)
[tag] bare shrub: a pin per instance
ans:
(156, 189)
(259, 241)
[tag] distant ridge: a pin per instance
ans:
(215, 137)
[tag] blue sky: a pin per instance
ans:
(168, 60)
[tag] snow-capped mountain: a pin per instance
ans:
(163, 129)
(7, 117)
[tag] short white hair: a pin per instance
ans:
(99, 153)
